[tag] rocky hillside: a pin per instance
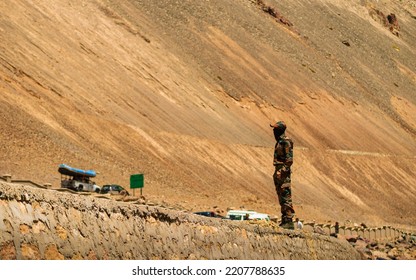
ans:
(184, 91)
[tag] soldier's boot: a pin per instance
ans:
(287, 223)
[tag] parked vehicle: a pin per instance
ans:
(78, 179)
(114, 189)
(240, 215)
(259, 216)
(80, 185)
(208, 214)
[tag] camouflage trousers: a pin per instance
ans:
(282, 183)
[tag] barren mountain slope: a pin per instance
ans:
(184, 91)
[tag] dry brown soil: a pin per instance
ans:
(184, 91)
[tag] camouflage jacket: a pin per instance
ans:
(283, 152)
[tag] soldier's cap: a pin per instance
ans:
(279, 124)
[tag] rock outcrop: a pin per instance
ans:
(49, 224)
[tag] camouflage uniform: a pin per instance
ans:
(283, 159)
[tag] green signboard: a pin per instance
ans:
(136, 181)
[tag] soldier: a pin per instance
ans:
(283, 159)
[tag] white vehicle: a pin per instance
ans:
(77, 179)
(80, 186)
(259, 216)
(240, 215)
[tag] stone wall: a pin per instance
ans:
(49, 224)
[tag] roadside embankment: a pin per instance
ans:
(41, 223)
